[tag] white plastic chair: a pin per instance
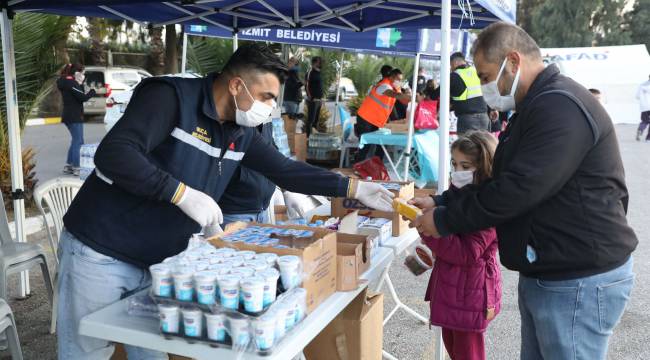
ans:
(8, 328)
(58, 194)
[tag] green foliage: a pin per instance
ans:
(206, 55)
(355, 103)
(363, 73)
(637, 23)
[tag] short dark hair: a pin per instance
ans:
(500, 38)
(385, 70)
(395, 72)
(456, 56)
(594, 91)
(316, 59)
(255, 57)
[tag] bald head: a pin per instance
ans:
(499, 39)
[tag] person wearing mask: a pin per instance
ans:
(314, 93)
(421, 81)
(557, 197)
(159, 175)
(70, 84)
(467, 99)
(643, 95)
(432, 90)
(377, 107)
(292, 93)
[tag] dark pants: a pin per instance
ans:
(645, 121)
(370, 150)
(464, 345)
(313, 112)
(468, 122)
(76, 130)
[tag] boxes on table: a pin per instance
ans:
(353, 259)
(399, 126)
(404, 190)
(356, 333)
(318, 255)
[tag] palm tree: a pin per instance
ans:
(206, 55)
(35, 40)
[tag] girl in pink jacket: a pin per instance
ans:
(464, 291)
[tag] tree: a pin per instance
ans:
(638, 23)
(607, 25)
(156, 51)
(364, 73)
(206, 55)
(171, 50)
(97, 30)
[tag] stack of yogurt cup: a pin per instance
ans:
(263, 331)
(236, 278)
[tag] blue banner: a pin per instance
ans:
(382, 40)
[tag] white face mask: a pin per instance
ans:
(258, 114)
(79, 77)
(493, 96)
(397, 84)
(461, 178)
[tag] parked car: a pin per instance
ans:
(116, 103)
(346, 92)
(107, 82)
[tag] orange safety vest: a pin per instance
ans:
(376, 108)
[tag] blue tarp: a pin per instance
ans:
(361, 15)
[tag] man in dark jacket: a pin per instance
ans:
(159, 175)
(315, 94)
(292, 89)
(238, 202)
(557, 198)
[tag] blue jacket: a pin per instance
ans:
(171, 133)
(249, 192)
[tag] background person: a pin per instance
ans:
(465, 263)
(292, 89)
(467, 99)
(70, 84)
(643, 95)
(597, 94)
(557, 197)
(314, 93)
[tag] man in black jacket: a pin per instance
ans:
(314, 88)
(558, 200)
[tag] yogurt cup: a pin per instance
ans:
(183, 284)
(161, 280)
(208, 250)
(280, 327)
(201, 265)
(193, 322)
(287, 311)
(216, 327)
(271, 258)
(246, 254)
(221, 269)
(239, 330)
(300, 296)
(270, 277)
(252, 289)
(215, 259)
(244, 272)
(290, 271)
(264, 330)
(206, 286)
(226, 252)
(229, 291)
(170, 317)
(236, 261)
(257, 264)
(192, 255)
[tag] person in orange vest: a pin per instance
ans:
(377, 106)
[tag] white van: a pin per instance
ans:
(109, 81)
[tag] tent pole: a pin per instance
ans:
(445, 70)
(235, 37)
(184, 56)
(409, 138)
(13, 133)
(338, 90)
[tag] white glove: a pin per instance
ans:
(200, 207)
(374, 196)
(212, 230)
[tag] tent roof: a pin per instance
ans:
(234, 15)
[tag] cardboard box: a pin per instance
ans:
(318, 256)
(355, 334)
(120, 354)
(397, 126)
(424, 192)
(352, 258)
(346, 172)
(343, 206)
